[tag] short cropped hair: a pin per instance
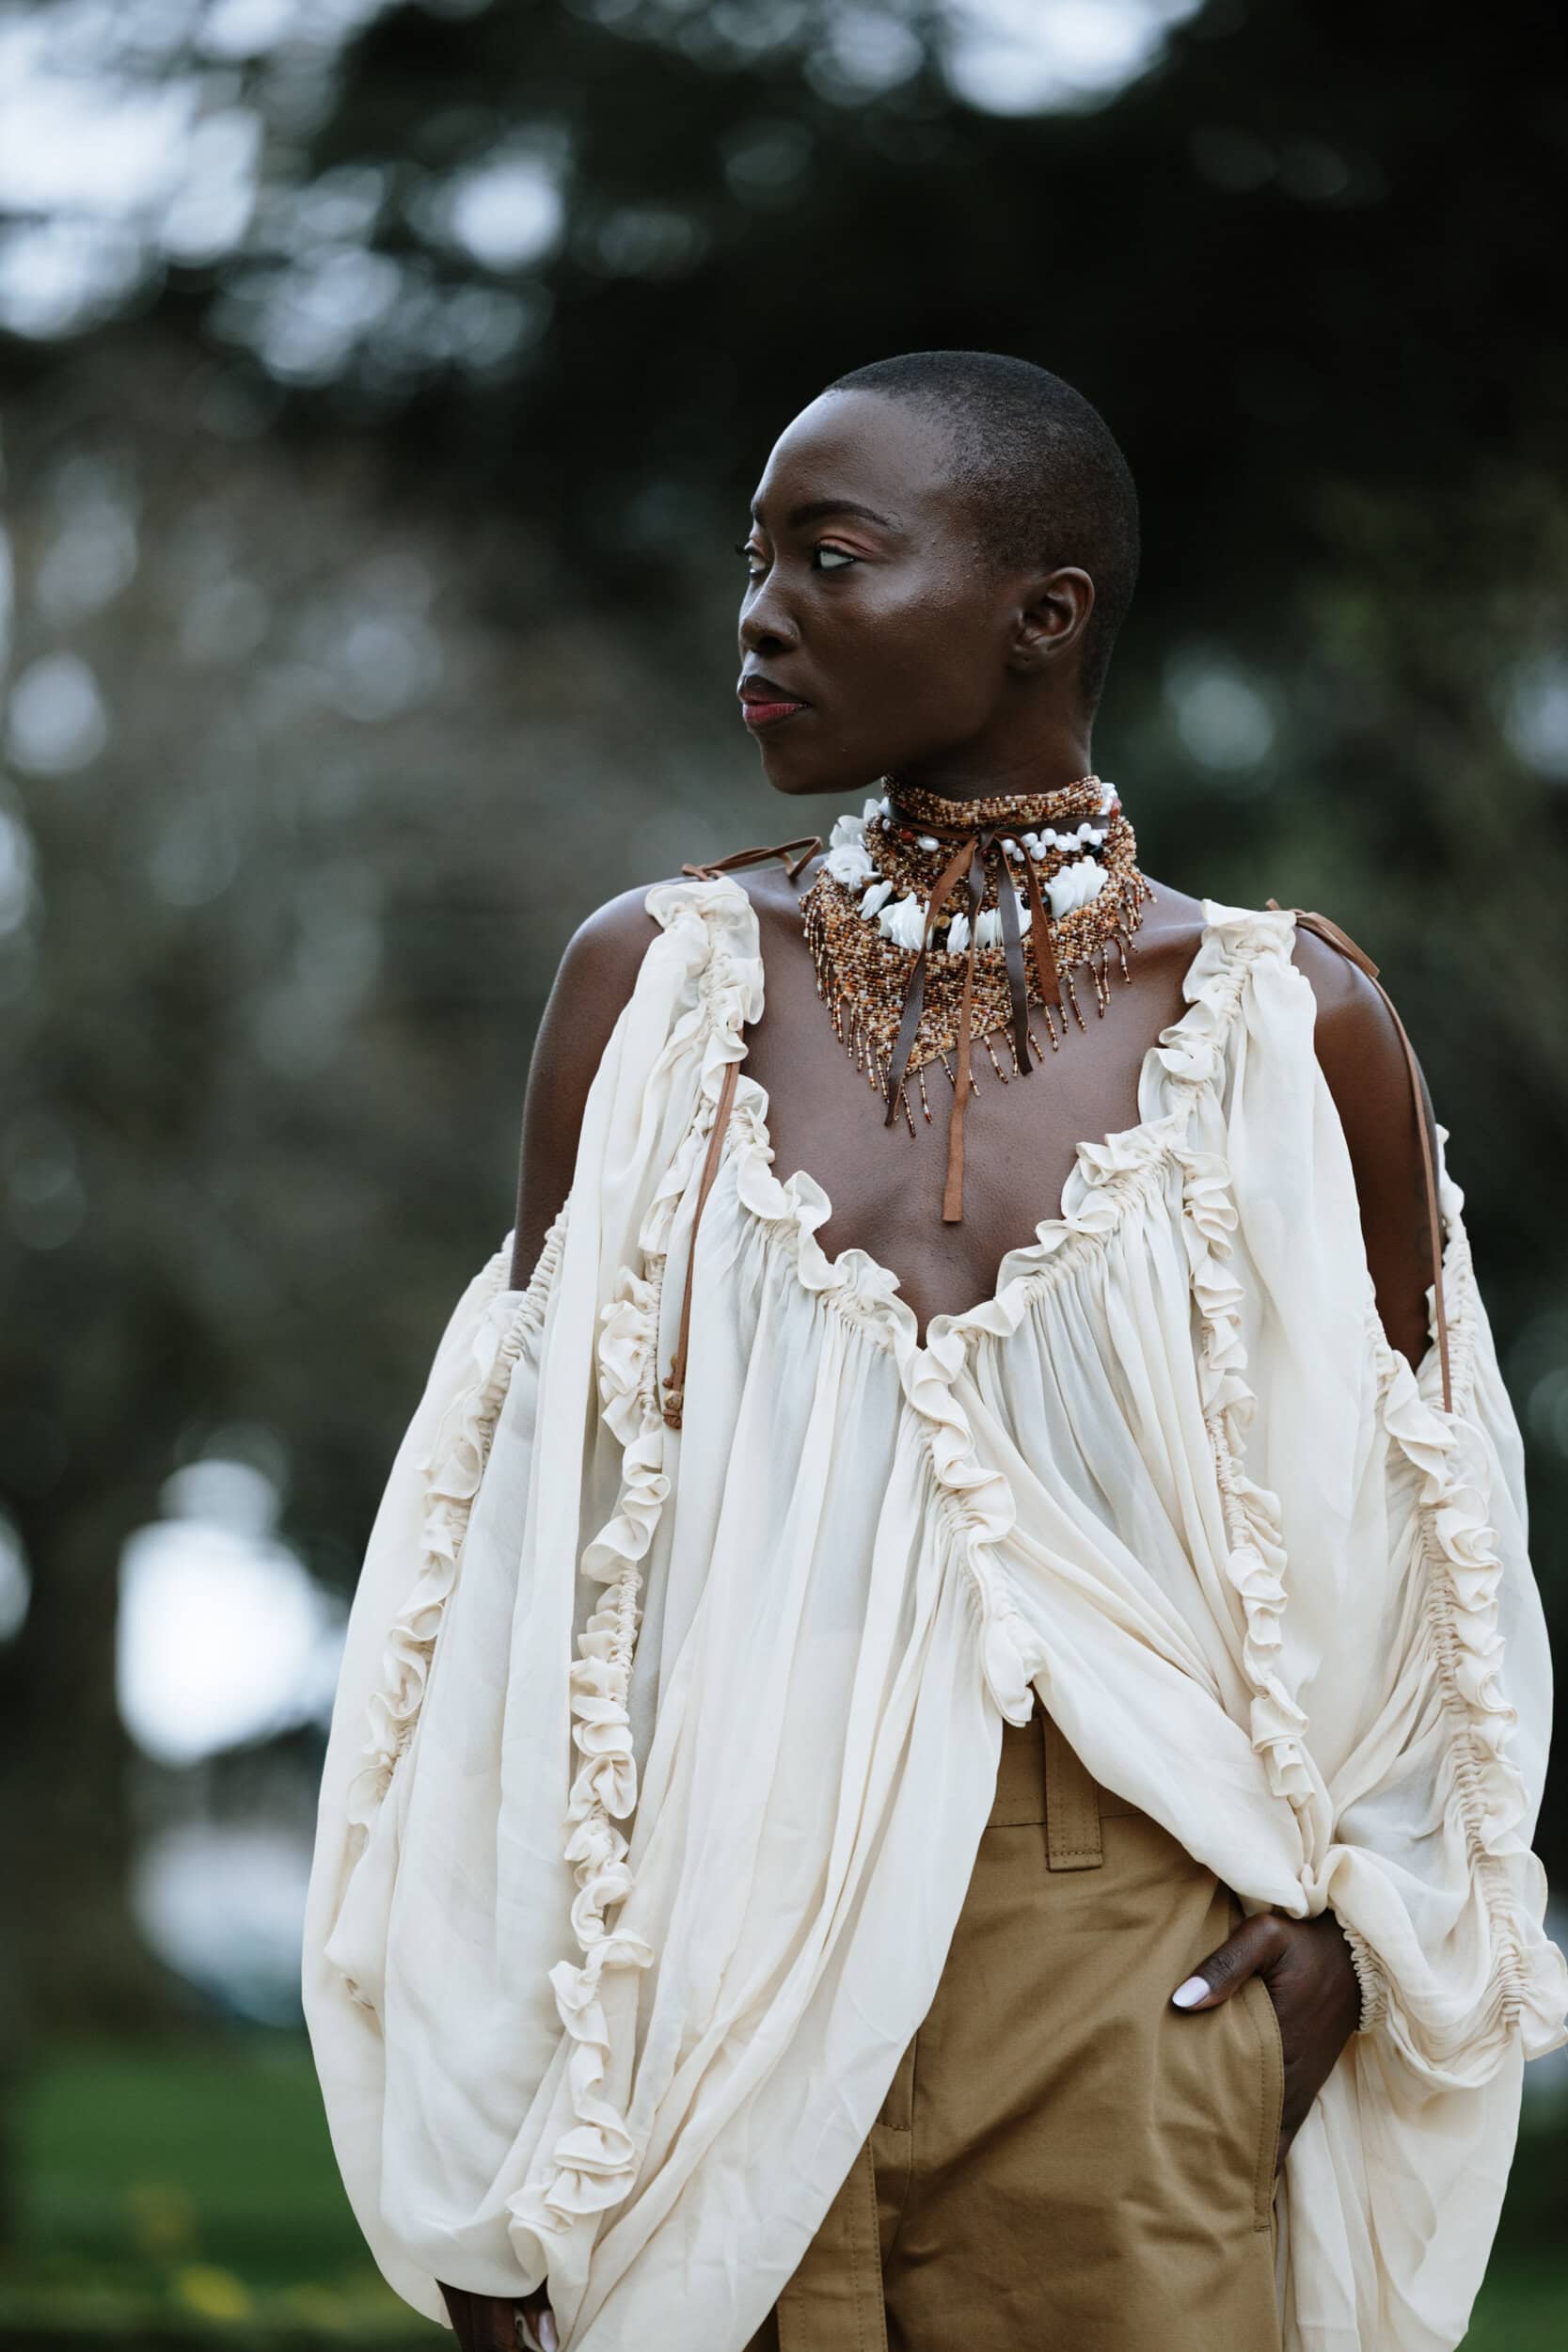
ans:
(1048, 483)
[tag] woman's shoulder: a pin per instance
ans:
(594, 983)
(609, 945)
(1380, 1092)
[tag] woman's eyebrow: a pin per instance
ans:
(819, 511)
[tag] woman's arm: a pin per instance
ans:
(592, 986)
(1363, 1063)
(488, 2323)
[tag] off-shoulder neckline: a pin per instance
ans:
(1100, 1185)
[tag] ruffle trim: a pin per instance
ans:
(1369, 1977)
(1188, 1056)
(714, 924)
(593, 2164)
(454, 1468)
(1194, 1052)
(1256, 1561)
(1487, 1796)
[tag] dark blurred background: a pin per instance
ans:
(383, 389)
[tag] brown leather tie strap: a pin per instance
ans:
(967, 870)
(808, 844)
(674, 1379)
(1337, 938)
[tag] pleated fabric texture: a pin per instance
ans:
(660, 1757)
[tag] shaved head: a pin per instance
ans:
(1045, 481)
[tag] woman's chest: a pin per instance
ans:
(1022, 1131)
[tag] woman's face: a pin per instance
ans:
(874, 636)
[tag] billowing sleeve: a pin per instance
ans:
(489, 1350)
(1397, 1655)
(1397, 1645)
(457, 1953)
(1435, 1795)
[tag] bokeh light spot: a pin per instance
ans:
(56, 722)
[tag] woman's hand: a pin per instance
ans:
(488, 2323)
(1306, 1965)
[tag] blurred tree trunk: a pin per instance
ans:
(75, 1960)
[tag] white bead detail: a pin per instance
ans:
(1075, 885)
(851, 864)
(904, 921)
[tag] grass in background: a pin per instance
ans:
(189, 2197)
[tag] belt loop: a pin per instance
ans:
(834, 2303)
(1072, 1839)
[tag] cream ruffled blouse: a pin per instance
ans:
(660, 1757)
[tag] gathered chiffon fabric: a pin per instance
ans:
(660, 1757)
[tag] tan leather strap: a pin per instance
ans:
(674, 1379)
(807, 843)
(966, 870)
(1337, 938)
(1072, 1837)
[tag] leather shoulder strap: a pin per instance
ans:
(1347, 946)
(807, 843)
(674, 1401)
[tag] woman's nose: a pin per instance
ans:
(765, 626)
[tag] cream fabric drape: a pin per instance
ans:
(660, 1758)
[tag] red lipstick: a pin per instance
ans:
(765, 704)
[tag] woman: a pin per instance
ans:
(856, 1817)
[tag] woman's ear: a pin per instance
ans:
(1053, 614)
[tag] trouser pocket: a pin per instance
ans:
(898, 2108)
(1256, 1999)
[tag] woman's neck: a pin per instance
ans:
(1041, 768)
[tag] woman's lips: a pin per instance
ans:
(769, 714)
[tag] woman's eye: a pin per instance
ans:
(833, 559)
(755, 564)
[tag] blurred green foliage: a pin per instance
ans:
(186, 2195)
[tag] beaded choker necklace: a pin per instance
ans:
(919, 947)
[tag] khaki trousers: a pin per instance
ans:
(1062, 2160)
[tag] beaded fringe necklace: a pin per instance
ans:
(1089, 871)
(918, 947)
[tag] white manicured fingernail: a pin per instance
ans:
(548, 2335)
(1187, 1995)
